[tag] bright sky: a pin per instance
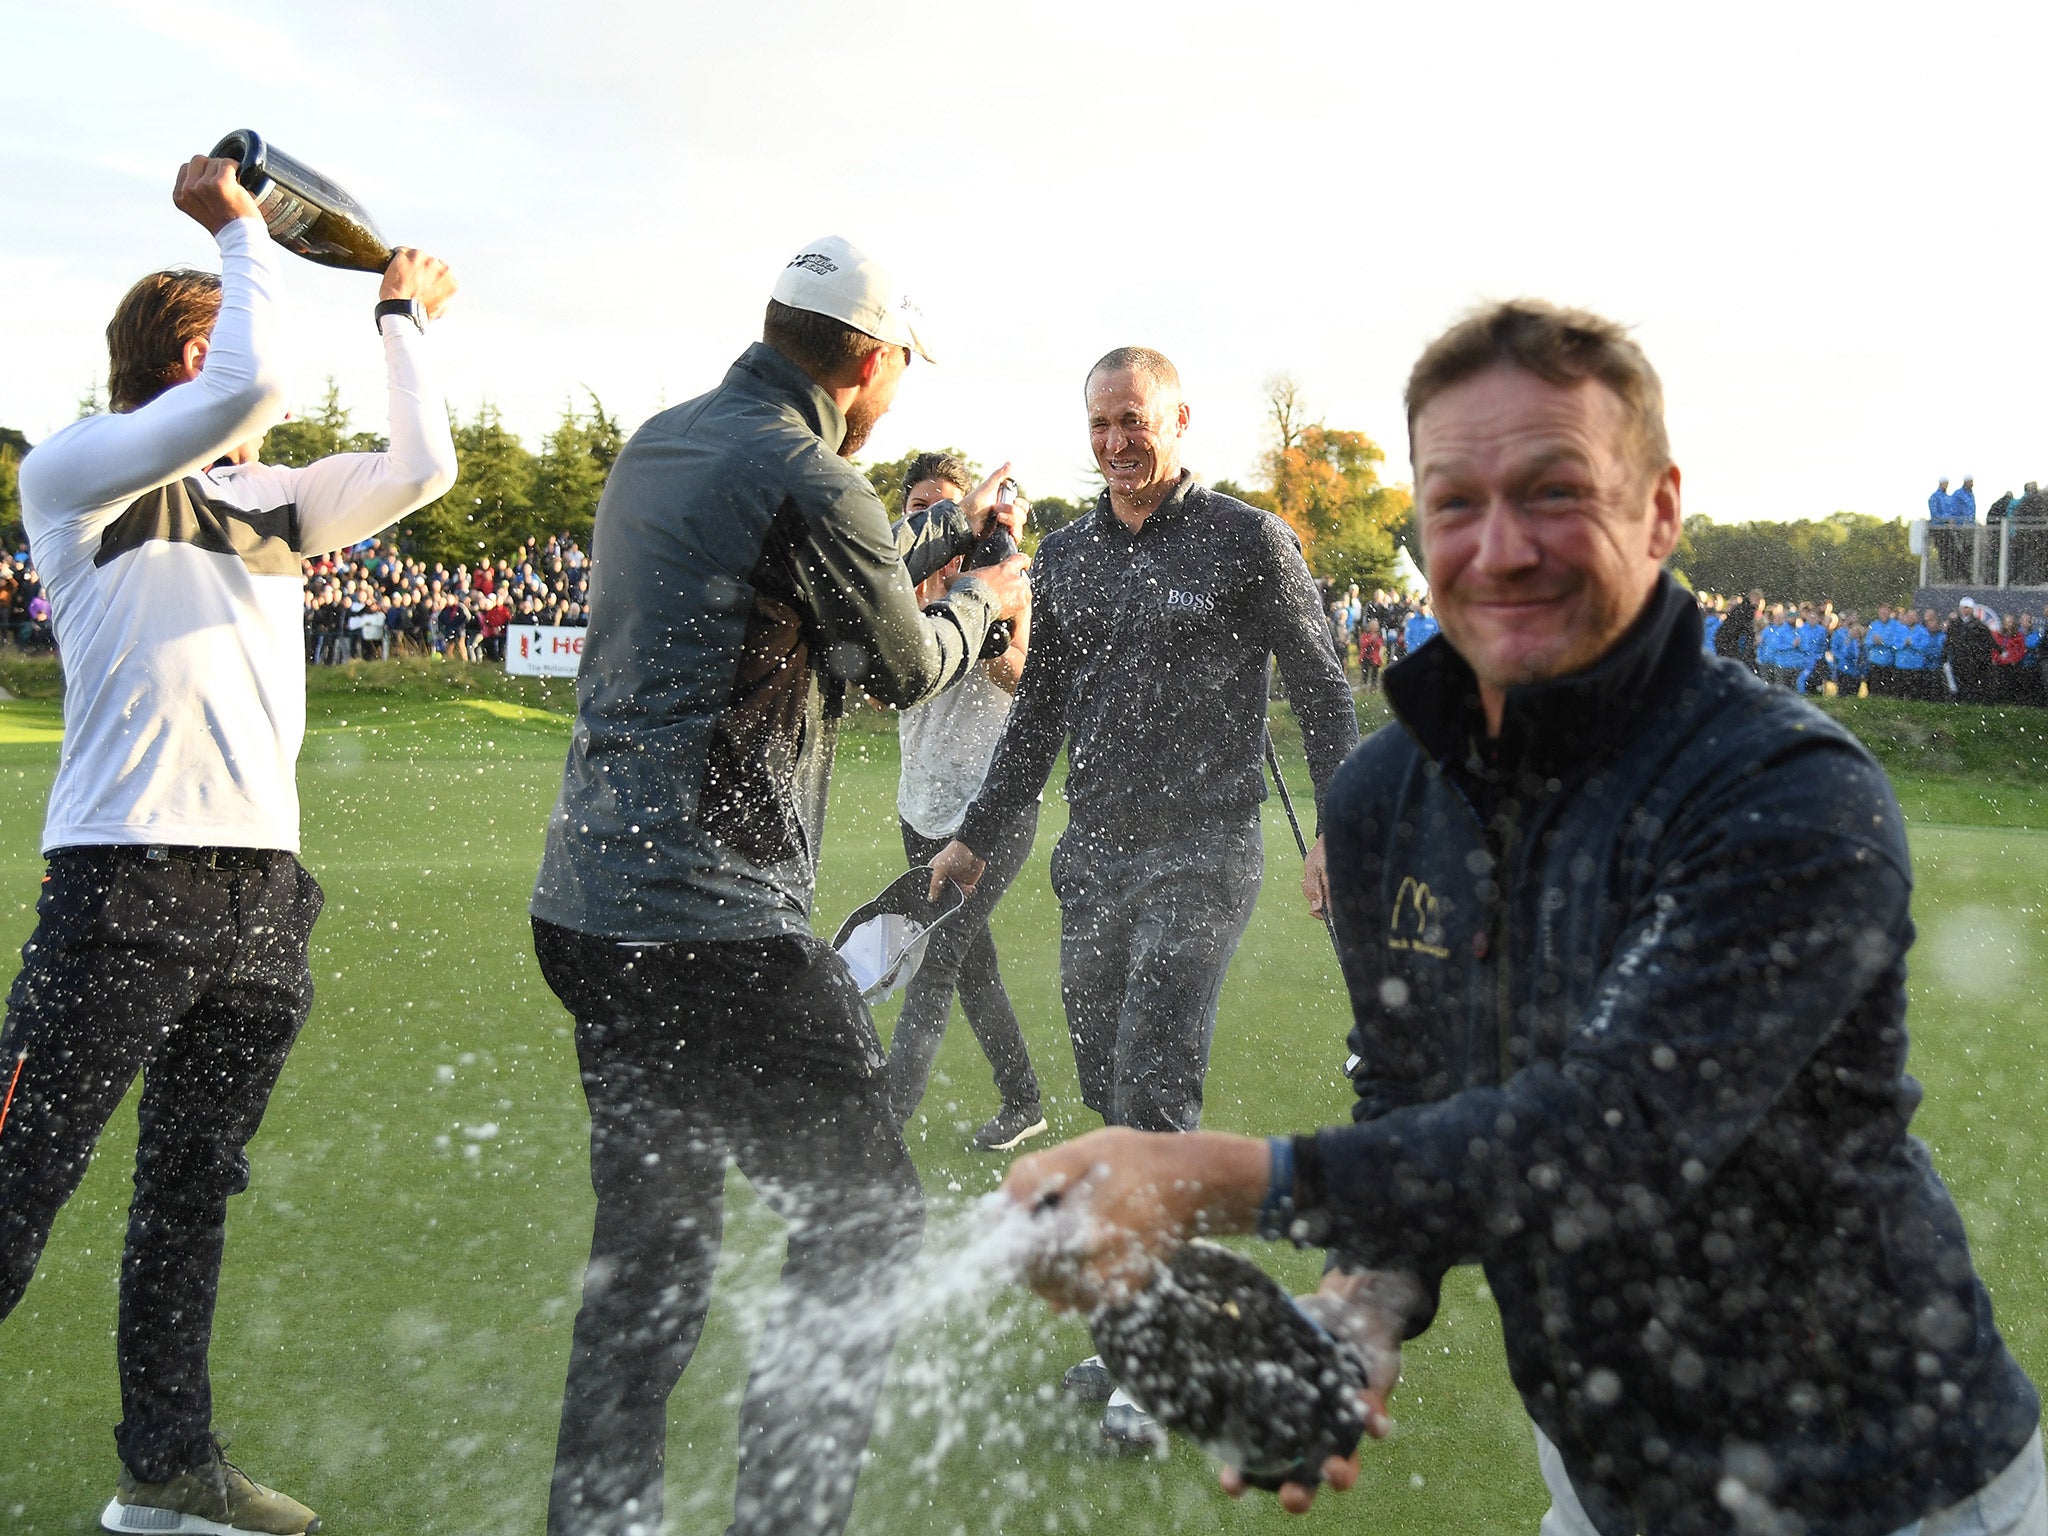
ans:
(1826, 221)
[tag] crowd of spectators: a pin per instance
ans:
(1974, 656)
(1951, 512)
(374, 602)
(24, 610)
(1373, 633)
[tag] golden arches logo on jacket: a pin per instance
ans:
(1414, 925)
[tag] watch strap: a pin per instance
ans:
(412, 309)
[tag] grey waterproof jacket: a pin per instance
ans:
(744, 579)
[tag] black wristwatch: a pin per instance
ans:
(412, 309)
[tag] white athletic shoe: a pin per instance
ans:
(1089, 1381)
(1015, 1124)
(1129, 1430)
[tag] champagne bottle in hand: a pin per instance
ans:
(304, 211)
(1216, 1349)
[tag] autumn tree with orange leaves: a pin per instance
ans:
(1325, 483)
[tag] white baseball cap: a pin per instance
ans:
(833, 276)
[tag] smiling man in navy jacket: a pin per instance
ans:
(1624, 932)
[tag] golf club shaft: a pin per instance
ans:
(1300, 842)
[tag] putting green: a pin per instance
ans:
(401, 1277)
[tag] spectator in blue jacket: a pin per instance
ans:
(1710, 622)
(1881, 647)
(1962, 506)
(1887, 672)
(1913, 657)
(1937, 680)
(1950, 512)
(1847, 656)
(1777, 649)
(1420, 626)
(1812, 644)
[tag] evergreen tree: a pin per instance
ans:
(12, 535)
(1852, 559)
(300, 440)
(490, 508)
(570, 472)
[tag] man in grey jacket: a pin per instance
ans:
(744, 582)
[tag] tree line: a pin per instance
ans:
(504, 494)
(1325, 482)
(1858, 562)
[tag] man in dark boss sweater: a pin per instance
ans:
(744, 581)
(1625, 935)
(1154, 618)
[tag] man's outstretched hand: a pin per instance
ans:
(1121, 1201)
(1368, 1310)
(1340, 1472)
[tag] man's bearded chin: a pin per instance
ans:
(861, 417)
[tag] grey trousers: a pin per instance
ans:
(962, 954)
(1146, 935)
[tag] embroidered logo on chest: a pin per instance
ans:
(1414, 925)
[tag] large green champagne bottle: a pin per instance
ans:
(304, 211)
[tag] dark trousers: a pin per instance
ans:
(1146, 936)
(963, 952)
(1920, 683)
(762, 1052)
(197, 978)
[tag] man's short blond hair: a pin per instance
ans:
(1560, 346)
(1154, 365)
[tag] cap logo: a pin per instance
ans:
(813, 261)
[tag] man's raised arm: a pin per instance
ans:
(347, 497)
(236, 396)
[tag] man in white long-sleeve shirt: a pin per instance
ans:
(171, 931)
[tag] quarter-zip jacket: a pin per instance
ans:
(1846, 652)
(1149, 657)
(743, 578)
(1628, 985)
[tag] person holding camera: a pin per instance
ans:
(946, 745)
(172, 927)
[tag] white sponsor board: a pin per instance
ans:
(543, 650)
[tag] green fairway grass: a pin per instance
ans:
(402, 1275)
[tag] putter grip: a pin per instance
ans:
(993, 549)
